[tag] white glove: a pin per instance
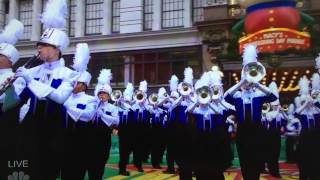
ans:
(24, 73)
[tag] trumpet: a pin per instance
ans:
(253, 72)
(204, 95)
(7, 84)
(216, 92)
(153, 99)
(285, 108)
(315, 95)
(184, 89)
(139, 96)
(116, 95)
(265, 107)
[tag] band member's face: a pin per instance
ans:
(5, 62)
(48, 53)
(103, 96)
(79, 87)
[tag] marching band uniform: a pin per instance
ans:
(184, 129)
(141, 118)
(78, 112)
(9, 118)
(292, 130)
(106, 118)
(309, 144)
(125, 130)
(248, 104)
(158, 116)
(276, 122)
(48, 86)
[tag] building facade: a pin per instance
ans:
(140, 39)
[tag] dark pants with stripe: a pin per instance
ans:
(141, 141)
(291, 142)
(274, 145)
(125, 145)
(100, 145)
(9, 122)
(77, 137)
(157, 144)
(170, 134)
(251, 149)
(308, 154)
(41, 141)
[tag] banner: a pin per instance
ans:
(276, 39)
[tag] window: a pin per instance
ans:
(4, 14)
(25, 16)
(157, 67)
(44, 3)
(172, 13)
(115, 16)
(147, 14)
(72, 17)
(93, 18)
(197, 10)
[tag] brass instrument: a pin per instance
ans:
(139, 96)
(315, 95)
(216, 93)
(153, 99)
(253, 72)
(184, 88)
(116, 95)
(7, 84)
(265, 108)
(285, 108)
(204, 95)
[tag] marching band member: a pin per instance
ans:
(48, 85)
(318, 63)
(183, 134)
(309, 144)
(293, 129)
(315, 93)
(276, 121)
(220, 120)
(106, 118)
(125, 130)
(170, 129)
(78, 113)
(157, 126)
(141, 118)
(9, 119)
(248, 97)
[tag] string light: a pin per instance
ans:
(296, 72)
(234, 74)
(274, 74)
(286, 73)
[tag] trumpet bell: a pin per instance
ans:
(153, 99)
(216, 92)
(285, 107)
(139, 96)
(204, 95)
(116, 95)
(184, 89)
(265, 107)
(253, 72)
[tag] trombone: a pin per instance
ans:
(184, 89)
(7, 84)
(116, 95)
(139, 96)
(265, 108)
(204, 95)
(153, 99)
(253, 72)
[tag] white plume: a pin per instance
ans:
(215, 78)
(12, 32)
(203, 81)
(318, 61)
(304, 85)
(274, 88)
(291, 109)
(217, 69)
(173, 83)
(188, 75)
(105, 76)
(161, 92)
(128, 92)
(143, 86)
(250, 54)
(297, 101)
(81, 58)
(315, 81)
(54, 15)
